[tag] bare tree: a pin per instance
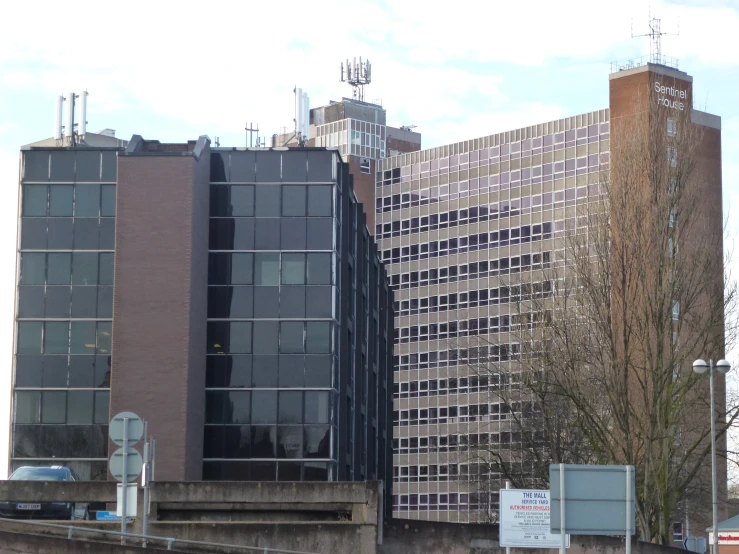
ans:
(598, 365)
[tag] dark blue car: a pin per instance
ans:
(44, 510)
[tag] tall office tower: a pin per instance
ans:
(359, 131)
(232, 298)
(465, 229)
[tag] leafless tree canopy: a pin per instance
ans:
(604, 361)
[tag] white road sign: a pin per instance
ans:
(524, 520)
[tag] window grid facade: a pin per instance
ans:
(293, 387)
(64, 310)
(466, 231)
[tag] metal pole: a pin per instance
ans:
(562, 520)
(153, 459)
(147, 453)
(508, 485)
(687, 520)
(628, 510)
(714, 547)
(124, 507)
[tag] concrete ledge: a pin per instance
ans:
(253, 492)
(58, 491)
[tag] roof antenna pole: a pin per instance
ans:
(357, 75)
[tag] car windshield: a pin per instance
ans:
(39, 474)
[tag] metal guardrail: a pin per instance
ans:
(169, 541)
(643, 60)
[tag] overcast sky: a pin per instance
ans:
(457, 70)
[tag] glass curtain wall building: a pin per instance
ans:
(299, 323)
(62, 361)
(263, 281)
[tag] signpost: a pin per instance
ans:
(125, 430)
(592, 500)
(524, 520)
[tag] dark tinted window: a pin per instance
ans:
(31, 301)
(319, 200)
(289, 445)
(317, 442)
(267, 234)
(80, 407)
(53, 407)
(105, 301)
(320, 233)
(107, 204)
(107, 233)
(87, 200)
(316, 407)
(84, 268)
(319, 268)
(106, 268)
(242, 200)
(266, 302)
(60, 233)
(264, 371)
(33, 233)
(82, 337)
(291, 337)
(29, 337)
(319, 302)
(56, 337)
(292, 233)
(267, 201)
(33, 269)
(28, 371)
(291, 407)
(293, 269)
(60, 269)
(57, 302)
(87, 234)
(293, 200)
(82, 371)
(55, 371)
(102, 407)
(267, 269)
(264, 406)
(291, 371)
(62, 166)
(27, 407)
(34, 200)
(318, 371)
(317, 337)
(265, 337)
(60, 200)
(292, 301)
(238, 407)
(84, 301)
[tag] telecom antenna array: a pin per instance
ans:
(357, 75)
(655, 44)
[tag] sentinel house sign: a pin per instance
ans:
(670, 97)
(524, 519)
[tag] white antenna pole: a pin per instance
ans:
(69, 128)
(82, 126)
(59, 107)
(306, 116)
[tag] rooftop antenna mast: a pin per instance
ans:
(250, 130)
(655, 35)
(357, 75)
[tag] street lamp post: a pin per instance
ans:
(700, 367)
